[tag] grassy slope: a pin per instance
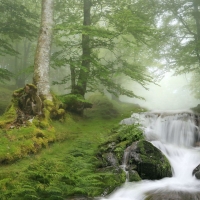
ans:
(69, 162)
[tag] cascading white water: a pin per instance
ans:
(175, 134)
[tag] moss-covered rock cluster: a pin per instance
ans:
(74, 103)
(142, 160)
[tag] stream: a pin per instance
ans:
(177, 135)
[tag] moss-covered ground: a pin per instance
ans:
(65, 167)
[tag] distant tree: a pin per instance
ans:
(17, 22)
(180, 27)
(42, 56)
(84, 71)
(84, 48)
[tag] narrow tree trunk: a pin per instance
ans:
(86, 51)
(42, 57)
(73, 78)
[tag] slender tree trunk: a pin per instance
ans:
(42, 57)
(73, 78)
(86, 51)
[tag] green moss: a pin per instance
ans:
(134, 176)
(122, 136)
(154, 158)
(112, 179)
(8, 117)
(74, 103)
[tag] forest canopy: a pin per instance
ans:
(96, 45)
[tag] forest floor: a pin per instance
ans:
(70, 159)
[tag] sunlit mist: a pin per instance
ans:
(172, 94)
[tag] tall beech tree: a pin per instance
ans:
(42, 56)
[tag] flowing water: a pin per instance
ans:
(177, 136)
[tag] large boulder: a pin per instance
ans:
(196, 172)
(148, 161)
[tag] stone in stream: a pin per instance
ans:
(196, 172)
(148, 161)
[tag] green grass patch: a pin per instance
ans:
(67, 167)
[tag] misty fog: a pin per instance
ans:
(173, 93)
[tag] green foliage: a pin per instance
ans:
(5, 75)
(179, 34)
(129, 132)
(17, 22)
(125, 135)
(18, 26)
(121, 136)
(107, 33)
(64, 169)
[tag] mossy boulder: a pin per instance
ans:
(148, 161)
(133, 176)
(120, 138)
(74, 103)
(111, 153)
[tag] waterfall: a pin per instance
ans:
(124, 164)
(177, 135)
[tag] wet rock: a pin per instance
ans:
(173, 195)
(197, 144)
(111, 159)
(133, 176)
(196, 172)
(149, 161)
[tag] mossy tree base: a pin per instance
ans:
(26, 125)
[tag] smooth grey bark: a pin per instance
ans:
(42, 56)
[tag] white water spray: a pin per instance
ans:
(175, 134)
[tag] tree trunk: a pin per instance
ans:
(42, 57)
(73, 78)
(86, 51)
